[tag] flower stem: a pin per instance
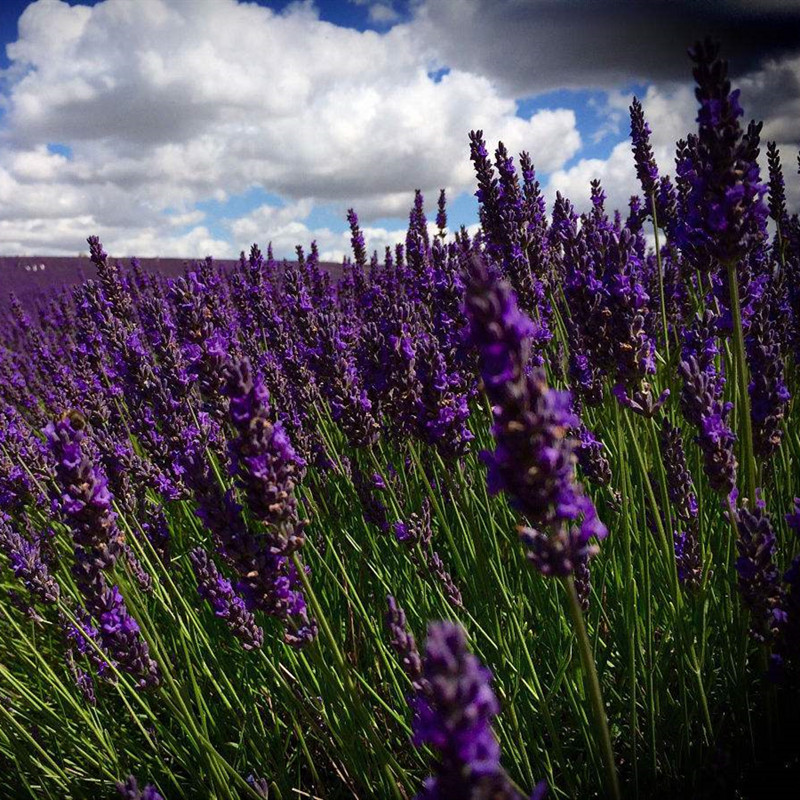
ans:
(745, 425)
(344, 671)
(595, 695)
(660, 277)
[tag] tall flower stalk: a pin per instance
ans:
(725, 214)
(534, 462)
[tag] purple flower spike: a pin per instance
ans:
(725, 213)
(264, 462)
(267, 470)
(646, 169)
(417, 536)
(129, 790)
(85, 499)
(403, 642)
(591, 456)
(680, 489)
(357, 239)
(27, 563)
(226, 603)
(703, 407)
(441, 214)
(120, 636)
(535, 455)
(759, 579)
(454, 709)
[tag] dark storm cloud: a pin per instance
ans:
(535, 45)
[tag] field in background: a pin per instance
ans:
(29, 276)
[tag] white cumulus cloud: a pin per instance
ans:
(164, 104)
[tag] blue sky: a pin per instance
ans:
(184, 128)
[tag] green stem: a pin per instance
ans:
(595, 694)
(742, 377)
(660, 278)
(631, 621)
(344, 670)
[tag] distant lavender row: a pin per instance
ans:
(31, 277)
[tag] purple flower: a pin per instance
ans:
(510, 222)
(454, 710)
(266, 579)
(120, 636)
(703, 407)
(769, 394)
(373, 508)
(85, 500)
(129, 790)
(341, 384)
(646, 169)
(27, 562)
(403, 642)
(534, 458)
(417, 535)
(724, 215)
(357, 239)
(442, 405)
(777, 187)
(759, 579)
(583, 581)
(226, 603)
(441, 215)
(264, 462)
(591, 456)
(680, 490)
(266, 469)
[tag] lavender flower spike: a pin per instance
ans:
(85, 499)
(27, 563)
(264, 461)
(129, 790)
(226, 603)
(403, 642)
(646, 169)
(454, 713)
(120, 635)
(759, 578)
(535, 455)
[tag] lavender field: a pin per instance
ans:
(492, 516)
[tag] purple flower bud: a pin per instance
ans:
(680, 490)
(646, 169)
(226, 603)
(403, 642)
(129, 790)
(454, 710)
(357, 239)
(759, 579)
(27, 563)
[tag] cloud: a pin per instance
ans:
(212, 98)
(284, 228)
(164, 104)
(671, 113)
(530, 46)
